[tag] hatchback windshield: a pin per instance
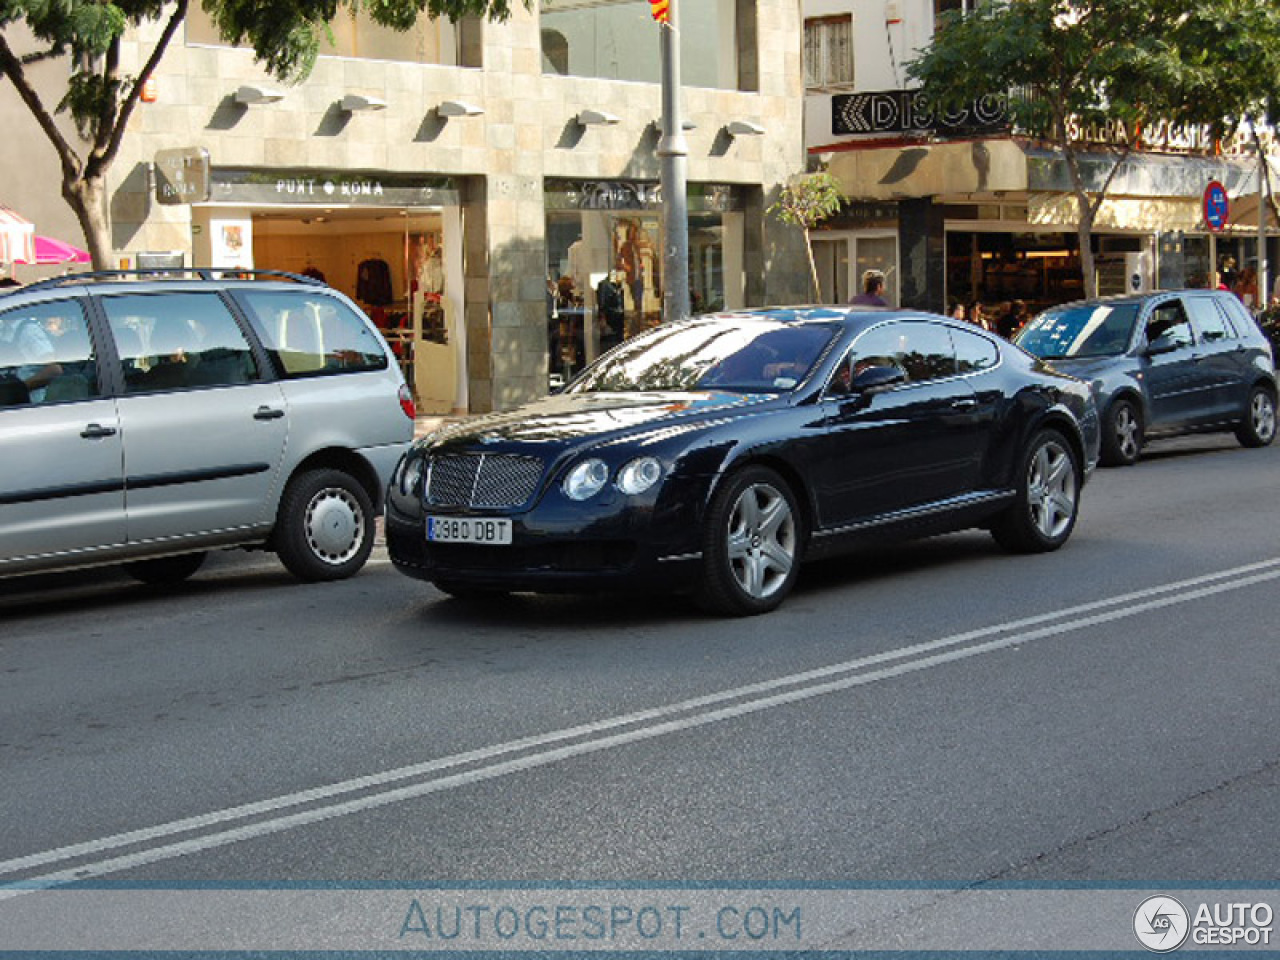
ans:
(743, 354)
(1094, 330)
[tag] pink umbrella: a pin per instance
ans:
(53, 250)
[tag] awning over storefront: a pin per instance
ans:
(17, 237)
(1149, 193)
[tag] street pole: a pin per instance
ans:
(1262, 299)
(673, 150)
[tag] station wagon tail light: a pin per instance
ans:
(406, 402)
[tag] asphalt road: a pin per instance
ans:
(935, 713)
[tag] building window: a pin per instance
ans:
(828, 52)
(619, 40)
(354, 34)
(962, 7)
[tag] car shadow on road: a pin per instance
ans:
(592, 611)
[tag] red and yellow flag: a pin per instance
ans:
(660, 9)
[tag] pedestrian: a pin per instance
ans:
(1246, 287)
(1011, 322)
(872, 291)
(957, 311)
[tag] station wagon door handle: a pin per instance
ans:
(268, 413)
(96, 431)
(965, 403)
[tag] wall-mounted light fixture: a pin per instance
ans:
(249, 95)
(458, 108)
(596, 118)
(354, 102)
(743, 128)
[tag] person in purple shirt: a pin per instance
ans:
(872, 290)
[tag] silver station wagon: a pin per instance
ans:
(147, 419)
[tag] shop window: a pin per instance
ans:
(619, 40)
(828, 52)
(355, 34)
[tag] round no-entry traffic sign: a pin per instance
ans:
(1217, 207)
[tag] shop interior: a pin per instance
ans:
(391, 262)
(604, 281)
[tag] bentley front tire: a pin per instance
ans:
(751, 544)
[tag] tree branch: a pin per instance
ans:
(111, 144)
(13, 69)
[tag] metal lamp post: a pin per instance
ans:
(673, 151)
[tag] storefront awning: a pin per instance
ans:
(1150, 192)
(17, 237)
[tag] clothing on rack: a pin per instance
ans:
(373, 282)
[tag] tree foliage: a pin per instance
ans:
(806, 202)
(1068, 66)
(285, 36)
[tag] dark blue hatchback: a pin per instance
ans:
(1162, 364)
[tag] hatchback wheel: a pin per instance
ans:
(324, 530)
(1122, 434)
(1044, 510)
(1258, 428)
(751, 544)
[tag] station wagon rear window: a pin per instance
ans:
(309, 335)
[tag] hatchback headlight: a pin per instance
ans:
(639, 475)
(586, 479)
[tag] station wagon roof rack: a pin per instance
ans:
(168, 273)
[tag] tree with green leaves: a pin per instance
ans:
(805, 202)
(1231, 72)
(101, 98)
(1068, 67)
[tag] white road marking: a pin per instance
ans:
(326, 803)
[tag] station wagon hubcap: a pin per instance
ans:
(1126, 427)
(1051, 490)
(335, 525)
(1263, 412)
(762, 540)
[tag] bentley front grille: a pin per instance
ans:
(481, 480)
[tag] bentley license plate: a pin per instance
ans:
(486, 530)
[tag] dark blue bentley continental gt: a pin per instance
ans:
(711, 456)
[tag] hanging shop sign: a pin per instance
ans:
(1217, 206)
(886, 112)
(182, 176)
(342, 188)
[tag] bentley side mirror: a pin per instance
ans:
(873, 379)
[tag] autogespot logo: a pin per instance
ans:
(1161, 924)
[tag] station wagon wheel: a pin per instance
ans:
(324, 529)
(1121, 434)
(751, 544)
(1047, 497)
(1258, 428)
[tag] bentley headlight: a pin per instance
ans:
(411, 474)
(586, 479)
(639, 475)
